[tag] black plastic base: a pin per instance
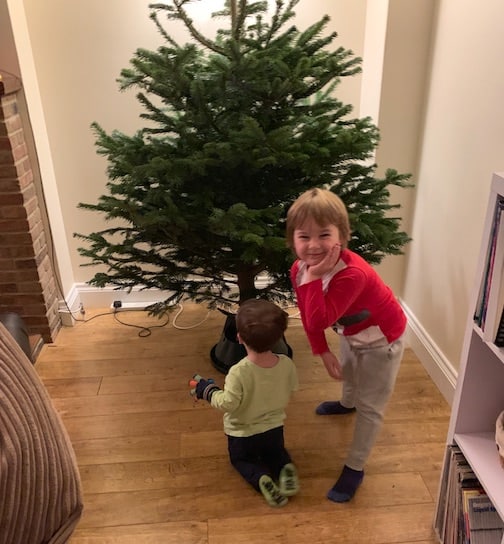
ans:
(228, 351)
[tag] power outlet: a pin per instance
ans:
(120, 306)
(65, 314)
(67, 319)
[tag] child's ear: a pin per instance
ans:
(238, 337)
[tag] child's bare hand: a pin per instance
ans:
(332, 365)
(327, 263)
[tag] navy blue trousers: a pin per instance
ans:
(259, 454)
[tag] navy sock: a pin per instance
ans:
(346, 486)
(329, 408)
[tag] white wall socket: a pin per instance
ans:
(131, 306)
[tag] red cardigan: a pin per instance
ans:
(354, 289)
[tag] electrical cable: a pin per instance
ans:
(181, 328)
(144, 331)
(91, 318)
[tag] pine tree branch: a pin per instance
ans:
(162, 31)
(241, 16)
(280, 17)
(234, 21)
(200, 38)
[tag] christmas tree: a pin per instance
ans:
(236, 127)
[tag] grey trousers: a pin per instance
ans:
(369, 375)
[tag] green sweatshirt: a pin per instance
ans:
(254, 398)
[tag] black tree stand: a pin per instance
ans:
(228, 351)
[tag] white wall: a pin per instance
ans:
(462, 144)
(395, 71)
(8, 57)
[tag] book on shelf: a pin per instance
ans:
(439, 522)
(499, 335)
(491, 297)
(467, 494)
(495, 303)
(457, 474)
(465, 513)
(480, 310)
(485, 524)
(491, 536)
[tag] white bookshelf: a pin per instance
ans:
(479, 395)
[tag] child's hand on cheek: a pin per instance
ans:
(326, 264)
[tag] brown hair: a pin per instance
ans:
(260, 324)
(324, 207)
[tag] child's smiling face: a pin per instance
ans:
(312, 241)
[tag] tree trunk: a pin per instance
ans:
(246, 284)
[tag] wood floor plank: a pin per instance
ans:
(328, 436)
(123, 449)
(376, 526)
(141, 424)
(145, 363)
(73, 388)
(153, 533)
(385, 459)
(122, 403)
(202, 501)
(149, 474)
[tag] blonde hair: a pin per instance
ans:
(324, 207)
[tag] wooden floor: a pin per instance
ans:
(154, 463)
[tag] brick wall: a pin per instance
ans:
(27, 279)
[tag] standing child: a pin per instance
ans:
(336, 288)
(256, 392)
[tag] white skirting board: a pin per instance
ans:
(439, 368)
(94, 297)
